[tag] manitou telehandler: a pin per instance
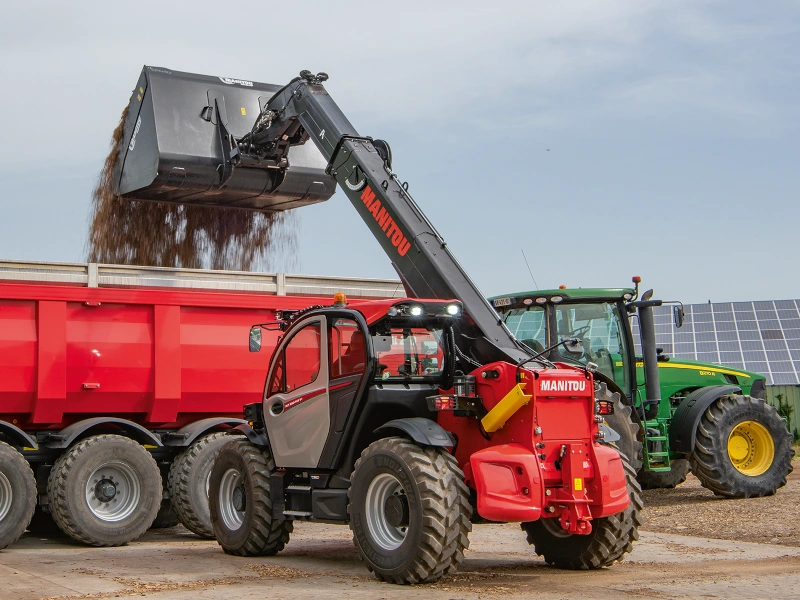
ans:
(707, 417)
(408, 419)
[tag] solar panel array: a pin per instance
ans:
(757, 336)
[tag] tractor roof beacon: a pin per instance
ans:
(405, 418)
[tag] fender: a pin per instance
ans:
(189, 433)
(69, 434)
(15, 435)
(259, 438)
(683, 429)
(421, 430)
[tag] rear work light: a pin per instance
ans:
(442, 402)
(604, 407)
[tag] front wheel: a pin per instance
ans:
(409, 511)
(653, 480)
(17, 495)
(611, 537)
(743, 448)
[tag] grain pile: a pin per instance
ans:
(131, 232)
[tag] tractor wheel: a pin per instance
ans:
(743, 448)
(240, 502)
(188, 483)
(653, 480)
(629, 444)
(17, 495)
(166, 517)
(105, 491)
(409, 511)
(611, 537)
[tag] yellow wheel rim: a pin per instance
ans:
(750, 448)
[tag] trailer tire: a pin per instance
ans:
(166, 517)
(409, 511)
(742, 449)
(17, 495)
(240, 502)
(105, 491)
(621, 421)
(188, 483)
(611, 537)
(653, 480)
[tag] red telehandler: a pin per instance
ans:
(408, 419)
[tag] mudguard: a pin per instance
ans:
(259, 438)
(188, 434)
(16, 436)
(65, 437)
(683, 429)
(421, 430)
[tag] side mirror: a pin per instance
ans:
(255, 339)
(677, 315)
(573, 346)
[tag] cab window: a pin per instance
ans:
(347, 352)
(529, 326)
(597, 328)
(409, 353)
(299, 362)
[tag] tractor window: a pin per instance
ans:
(405, 353)
(596, 326)
(347, 352)
(529, 326)
(298, 364)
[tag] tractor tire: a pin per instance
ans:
(17, 495)
(743, 448)
(240, 502)
(42, 524)
(611, 537)
(166, 517)
(653, 480)
(621, 421)
(105, 491)
(188, 483)
(409, 511)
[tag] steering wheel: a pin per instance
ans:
(579, 332)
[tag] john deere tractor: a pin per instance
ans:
(705, 417)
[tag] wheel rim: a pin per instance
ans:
(113, 491)
(232, 499)
(750, 448)
(386, 511)
(6, 496)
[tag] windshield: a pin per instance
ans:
(529, 326)
(409, 353)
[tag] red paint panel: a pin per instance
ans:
(51, 376)
(167, 358)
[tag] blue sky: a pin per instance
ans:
(605, 138)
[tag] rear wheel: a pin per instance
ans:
(621, 421)
(611, 537)
(240, 502)
(743, 448)
(652, 480)
(105, 491)
(17, 495)
(188, 483)
(409, 511)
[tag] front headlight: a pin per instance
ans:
(415, 311)
(453, 310)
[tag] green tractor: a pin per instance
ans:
(705, 417)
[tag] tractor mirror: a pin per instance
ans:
(677, 315)
(573, 346)
(255, 339)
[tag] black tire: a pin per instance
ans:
(166, 517)
(629, 444)
(188, 483)
(241, 476)
(17, 495)
(653, 480)
(712, 463)
(43, 524)
(424, 533)
(611, 537)
(105, 491)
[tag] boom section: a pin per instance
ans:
(362, 168)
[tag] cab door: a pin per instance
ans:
(296, 403)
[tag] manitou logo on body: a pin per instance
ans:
(230, 81)
(385, 222)
(135, 131)
(562, 385)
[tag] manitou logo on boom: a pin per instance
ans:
(385, 222)
(560, 385)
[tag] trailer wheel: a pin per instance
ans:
(188, 483)
(240, 502)
(621, 421)
(611, 537)
(653, 480)
(17, 495)
(743, 448)
(409, 511)
(166, 517)
(105, 491)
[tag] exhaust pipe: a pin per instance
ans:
(180, 145)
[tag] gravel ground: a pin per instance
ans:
(692, 510)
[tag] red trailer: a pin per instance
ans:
(115, 378)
